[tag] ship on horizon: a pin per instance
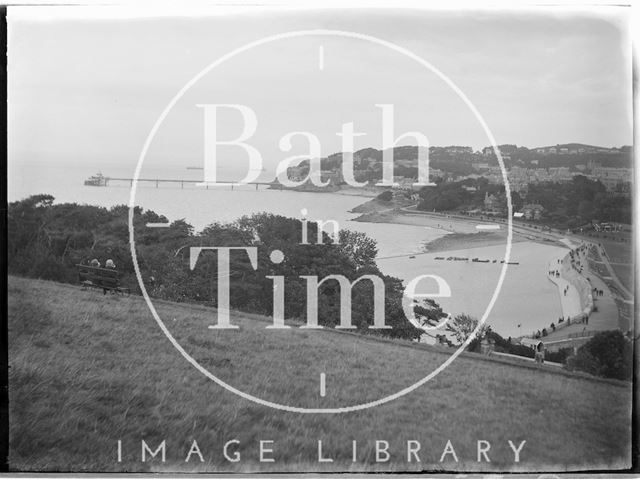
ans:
(96, 180)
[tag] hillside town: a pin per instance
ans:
(558, 164)
(479, 177)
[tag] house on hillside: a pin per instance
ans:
(297, 173)
(458, 150)
(505, 150)
(494, 204)
(532, 211)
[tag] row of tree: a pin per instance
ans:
(566, 205)
(47, 240)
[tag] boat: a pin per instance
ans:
(478, 260)
(96, 180)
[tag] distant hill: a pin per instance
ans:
(581, 145)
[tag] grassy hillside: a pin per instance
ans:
(87, 370)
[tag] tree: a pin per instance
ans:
(462, 326)
(428, 312)
(358, 247)
(607, 354)
(47, 240)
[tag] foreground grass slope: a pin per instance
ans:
(87, 370)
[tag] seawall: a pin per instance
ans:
(577, 301)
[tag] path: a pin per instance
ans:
(612, 274)
(605, 318)
(570, 301)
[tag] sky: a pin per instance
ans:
(88, 85)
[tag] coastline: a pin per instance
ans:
(458, 233)
(338, 190)
(461, 236)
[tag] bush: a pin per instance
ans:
(559, 356)
(607, 354)
(385, 195)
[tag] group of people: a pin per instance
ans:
(96, 264)
(109, 264)
(598, 292)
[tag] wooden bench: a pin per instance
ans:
(103, 278)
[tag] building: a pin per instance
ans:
(297, 173)
(505, 150)
(612, 178)
(532, 211)
(402, 183)
(480, 166)
(458, 150)
(494, 204)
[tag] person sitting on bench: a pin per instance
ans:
(95, 263)
(110, 264)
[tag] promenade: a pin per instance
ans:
(569, 295)
(604, 316)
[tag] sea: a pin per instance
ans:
(526, 302)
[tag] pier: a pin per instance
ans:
(157, 181)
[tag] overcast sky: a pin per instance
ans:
(90, 90)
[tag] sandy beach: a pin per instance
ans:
(458, 233)
(456, 241)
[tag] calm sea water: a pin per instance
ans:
(527, 298)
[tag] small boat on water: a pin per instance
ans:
(478, 260)
(96, 180)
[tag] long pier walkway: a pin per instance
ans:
(182, 182)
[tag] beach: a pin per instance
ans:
(457, 233)
(451, 256)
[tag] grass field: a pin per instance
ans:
(87, 370)
(620, 255)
